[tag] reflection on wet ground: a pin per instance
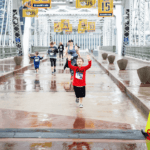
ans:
(56, 144)
(8, 64)
(30, 100)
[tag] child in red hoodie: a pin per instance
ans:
(79, 78)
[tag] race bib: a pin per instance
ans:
(37, 59)
(79, 75)
(60, 49)
(51, 54)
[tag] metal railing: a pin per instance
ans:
(138, 52)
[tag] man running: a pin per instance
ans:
(52, 52)
(74, 52)
(61, 49)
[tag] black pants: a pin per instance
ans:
(73, 62)
(53, 62)
(79, 91)
(60, 54)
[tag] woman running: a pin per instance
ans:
(74, 52)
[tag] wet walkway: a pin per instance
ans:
(128, 79)
(8, 65)
(28, 100)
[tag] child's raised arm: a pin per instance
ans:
(90, 63)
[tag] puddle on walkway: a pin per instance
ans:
(30, 144)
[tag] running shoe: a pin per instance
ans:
(54, 70)
(77, 100)
(81, 105)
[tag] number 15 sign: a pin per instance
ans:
(105, 8)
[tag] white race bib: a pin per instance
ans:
(51, 54)
(79, 75)
(37, 59)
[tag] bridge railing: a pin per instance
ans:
(138, 52)
(108, 48)
(8, 52)
(39, 49)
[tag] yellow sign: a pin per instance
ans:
(105, 8)
(70, 29)
(29, 12)
(91, 26)
(41, 3)
(80, 29)
(57, 26)
(83, 24)
(26, 4)
(85, 3)
(64, 24)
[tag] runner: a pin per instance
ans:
(61, 49)
(36, 61)
(74, 52)
(52, 52)
(79, 78)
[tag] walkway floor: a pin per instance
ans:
(129, 77)
(28, 100)
(8, 64)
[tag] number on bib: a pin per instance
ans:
(79, 75)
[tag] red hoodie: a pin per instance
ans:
(79, 73)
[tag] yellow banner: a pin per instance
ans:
(26, 4)
(85, 3)
(29, 12)
(80, 29)
(70, 29)
(64, 24)
(83, 24)
(91, 26)
(105, 8)
(57, 26)
(41, 3)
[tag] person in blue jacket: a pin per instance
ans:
(37, 59)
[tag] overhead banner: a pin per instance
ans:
(29, 12)
(64, 24)
(83, 24)
(105, 8)
(41, 3)
(70, 29)
(91, 26)
(80, 29)
(85, 3)
(57, 26)
(26, 4)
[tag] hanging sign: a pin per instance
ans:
(80, 29)
(91, 26)
(70, 29)
(83, 24)
(26, 4)
(105, 8)
(85, 3)
(64, 24)
(29, 12)
(57, 26)
(41, 3)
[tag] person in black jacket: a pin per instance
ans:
(61, 50)
(52, 52)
